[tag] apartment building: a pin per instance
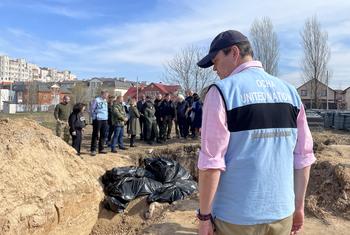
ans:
(20, 70)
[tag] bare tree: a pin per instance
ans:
(316, 57)
(80, 93)
(32, 96)
(183, 70)
(265, 44)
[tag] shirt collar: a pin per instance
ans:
(246, 65)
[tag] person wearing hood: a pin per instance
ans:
(77, 123)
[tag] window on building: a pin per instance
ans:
(323, 93)
(303, 92)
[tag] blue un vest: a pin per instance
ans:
(101, 109)
(257, 186)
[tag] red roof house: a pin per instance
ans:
(152, 90)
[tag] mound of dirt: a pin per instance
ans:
(325, 138)
(329, 187)
(45, 188)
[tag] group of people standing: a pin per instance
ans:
(151, 119)
(159, 116)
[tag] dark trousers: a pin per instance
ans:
(142, 127)
(76, 140)
(177, 131)
(152, 131)
(118, 137)
(110, 132)
(190, 126)
(167, 125)
(183, 127)
(132, 140)
(127, 126)
(98, 126)
(160, 127)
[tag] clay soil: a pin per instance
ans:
(327, 204)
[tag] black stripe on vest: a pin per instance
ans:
(262, 116)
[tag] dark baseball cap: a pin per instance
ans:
(221, 41)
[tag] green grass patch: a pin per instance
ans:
(45, 119)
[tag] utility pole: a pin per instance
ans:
(10, 93)
(327, 90)
(137, 88)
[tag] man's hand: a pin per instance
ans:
(205, 228)
(62, 122)
(301, 178)
(298, 222)
(74, 133)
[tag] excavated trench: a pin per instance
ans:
(186, 155)
(139, 216)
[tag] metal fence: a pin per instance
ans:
(339, 120)
(20, 108)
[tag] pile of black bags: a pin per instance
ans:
(162, 179)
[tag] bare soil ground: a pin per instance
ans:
(34, 148)
(327, 206)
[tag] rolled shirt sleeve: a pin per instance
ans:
(214, 132)
(303, 152)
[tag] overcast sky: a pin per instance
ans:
(135, 38)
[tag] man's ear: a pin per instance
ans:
(235, 50)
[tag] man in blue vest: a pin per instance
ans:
(256, 147)
(99, 116)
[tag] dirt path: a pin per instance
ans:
(180, 219)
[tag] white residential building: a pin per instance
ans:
(44, 75)
(4, 68)
(21, 70)
(5, 96)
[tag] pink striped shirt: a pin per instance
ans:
(215, 134)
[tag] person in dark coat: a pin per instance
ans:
(77, 123)
(177, 132)
(110, 128)
(167, 115)
(189, 100)
(140, 107)
(157, 103)
(150, 123)
(181, 118)
(134, 124)
(196, 115)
